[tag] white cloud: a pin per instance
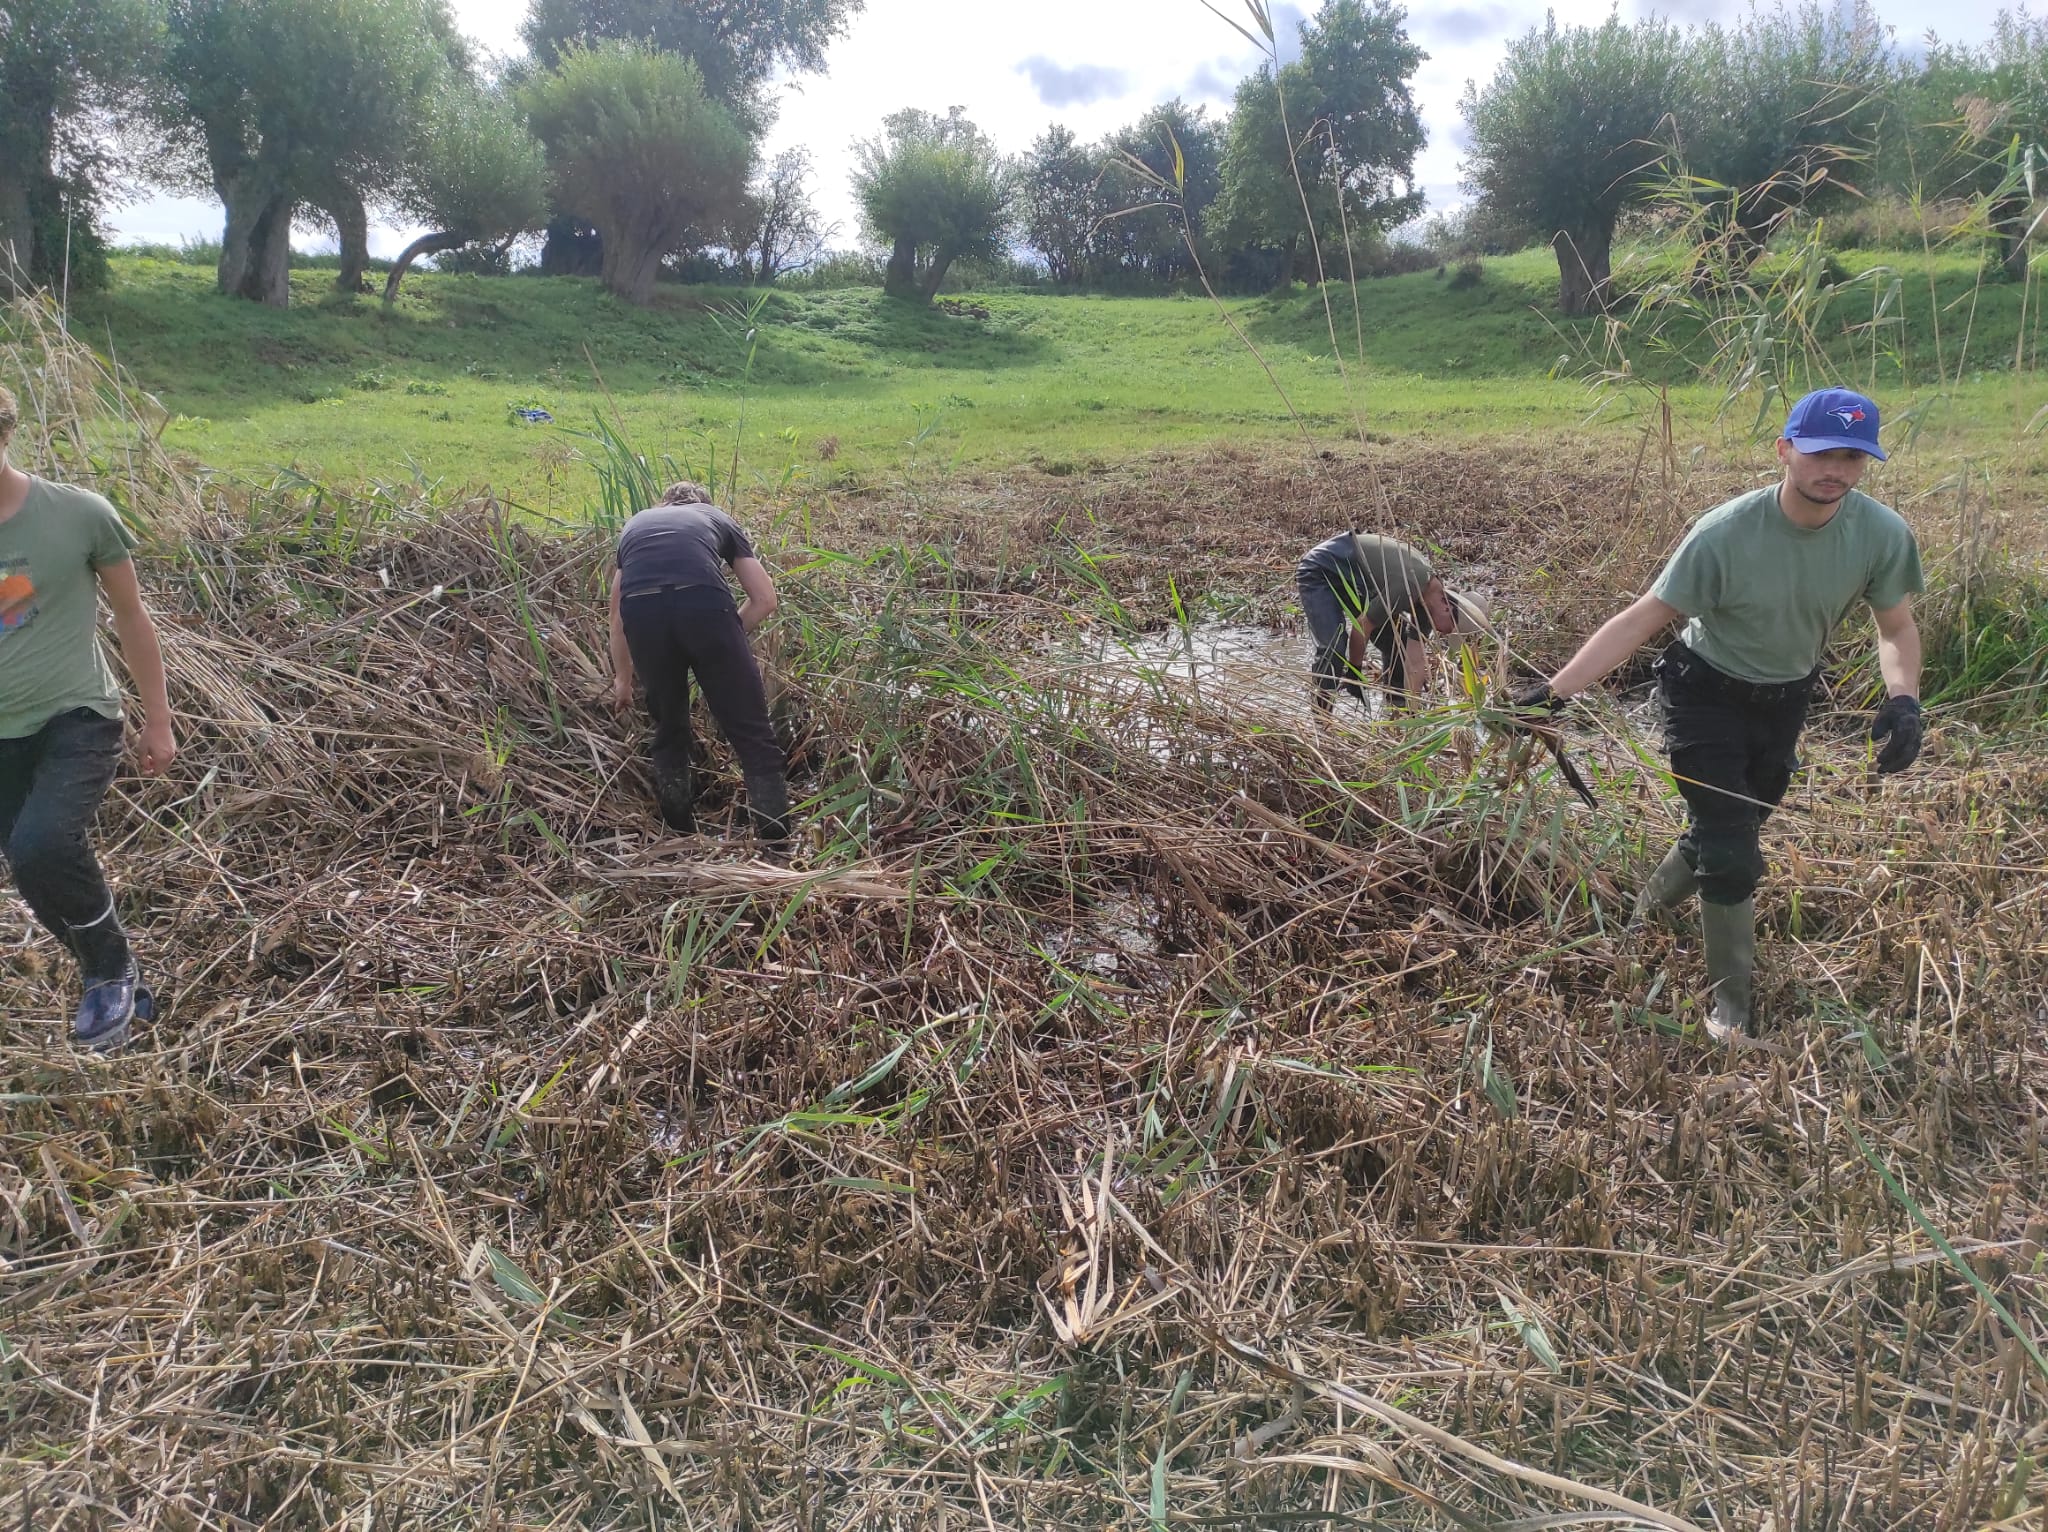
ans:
(1078, 85)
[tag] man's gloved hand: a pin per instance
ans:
(1897, 729)
(1532, 703)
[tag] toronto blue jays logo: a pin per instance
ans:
(1850, 416)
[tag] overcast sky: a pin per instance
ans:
(1093, 65)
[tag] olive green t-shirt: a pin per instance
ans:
(51, 552)
(1379, 577)
(1763, 593)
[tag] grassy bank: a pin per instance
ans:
(841, 389)
(1134, 1110)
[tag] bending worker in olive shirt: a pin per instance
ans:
(673, 616)
(1358, 586)
(61, 731)
(1760, 583)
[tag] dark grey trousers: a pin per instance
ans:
(51, 784)
(674, 634)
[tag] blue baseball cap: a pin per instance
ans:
(1832, 418)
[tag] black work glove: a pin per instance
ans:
(1532, 704)
(1898, 729)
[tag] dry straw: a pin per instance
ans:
(1134, 1110)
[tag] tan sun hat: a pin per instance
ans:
(1472, 611)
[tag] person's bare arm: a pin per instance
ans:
(761, 599)
(144, 657)
(1898, 649)
(622, 657)
(1418, 669)
(1618, 638)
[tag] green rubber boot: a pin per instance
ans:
(768, 807)
(1669, 886)
(1730, 931)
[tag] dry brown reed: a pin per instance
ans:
(1260, 1129)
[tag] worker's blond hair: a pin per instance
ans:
(10, 416)
(685, 493)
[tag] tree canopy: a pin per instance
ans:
(1776, 112)
(60, 62)
(639, 149)
(935, 191)
(735, 43)
(1337, 128)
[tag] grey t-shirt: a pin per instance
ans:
(678, 545)
(1763, 593)
(1380, 576)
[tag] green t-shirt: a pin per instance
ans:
(1380, 577)
(1763, 593)
(51, 551)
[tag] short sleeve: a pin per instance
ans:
(732, 542)
(111, 542)
(1691, 581)
(1896, 574)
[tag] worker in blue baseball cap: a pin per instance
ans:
(1758, 584)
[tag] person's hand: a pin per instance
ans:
(1531, 705)
(157, 748)
(1897, 729)
(622, 693)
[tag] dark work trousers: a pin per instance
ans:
(673, 634)
(1329, 621)
(51, 784)
(1734, 747)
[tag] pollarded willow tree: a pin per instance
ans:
(296, 100)
(935, 191)
(61, 61)
(1777, 113)
(639, 150)
(1570, 130)
(475, 175)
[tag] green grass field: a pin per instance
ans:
(840, 388)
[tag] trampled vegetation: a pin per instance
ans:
(1137, 1109)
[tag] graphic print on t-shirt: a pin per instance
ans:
(17, 596)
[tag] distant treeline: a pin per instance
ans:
(627, 141)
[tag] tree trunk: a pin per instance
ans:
(629, 272)
(17, 230)
(942, 262)
(573, 249)
(2010, 217)
(426, 244)
(1582, 269)
(899, 279)
(256, 245)
(352, 223)
(1285, 280)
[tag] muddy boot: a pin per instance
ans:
(1669, 886)
(768, 807)
(674, 796)
(1730, 931)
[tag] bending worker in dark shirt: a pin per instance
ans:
(1759, 583)
(1359, 586)
(672, 616)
